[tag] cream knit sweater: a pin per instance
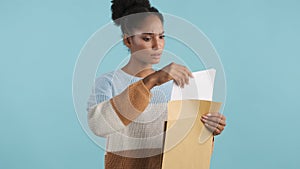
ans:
(117, 94)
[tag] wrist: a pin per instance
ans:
(150, 81)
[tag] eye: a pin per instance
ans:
(162, 36)
(146, 39)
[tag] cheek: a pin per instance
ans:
(145, 46)
(140, 44)
(163, 43)
(142, 49)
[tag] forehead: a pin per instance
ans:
(150, 25)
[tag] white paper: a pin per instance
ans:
(200, 87)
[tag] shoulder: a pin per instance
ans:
(105, 78)
(105, 81)
(115, 75)
(116, 78)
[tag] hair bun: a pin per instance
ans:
(120, 8)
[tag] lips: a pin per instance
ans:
(156, 54)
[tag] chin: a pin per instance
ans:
(156, 61)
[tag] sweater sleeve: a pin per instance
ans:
(108, 114)
(131, 102)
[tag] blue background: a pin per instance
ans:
(258, 43)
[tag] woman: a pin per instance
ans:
(128, 106)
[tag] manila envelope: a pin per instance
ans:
(188, 144)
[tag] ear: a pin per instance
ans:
(126, 40)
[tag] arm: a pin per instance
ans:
(110, 114)
(131, 102)
(114, 114)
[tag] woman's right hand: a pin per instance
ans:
(179, 73)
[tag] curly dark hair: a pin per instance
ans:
(128, 8)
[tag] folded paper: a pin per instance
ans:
(199, 88)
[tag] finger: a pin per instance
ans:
(216, 114)
(184, 76)
(223, 117)
(175, 78)
(185, 72)
(189, 73)
(217, 120)
(180, 84)
(177, 82)
(217, 132)
(178, 77)
(214, 130)
(213, 124)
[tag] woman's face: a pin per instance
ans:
(147, 43)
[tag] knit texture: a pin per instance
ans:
(131, 102)
(145, 131)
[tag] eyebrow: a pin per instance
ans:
(152, 33)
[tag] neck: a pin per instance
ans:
(138, 70)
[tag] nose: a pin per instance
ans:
(156, 43)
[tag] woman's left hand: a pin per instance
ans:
(214, 122)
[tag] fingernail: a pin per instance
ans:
(208, 114)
